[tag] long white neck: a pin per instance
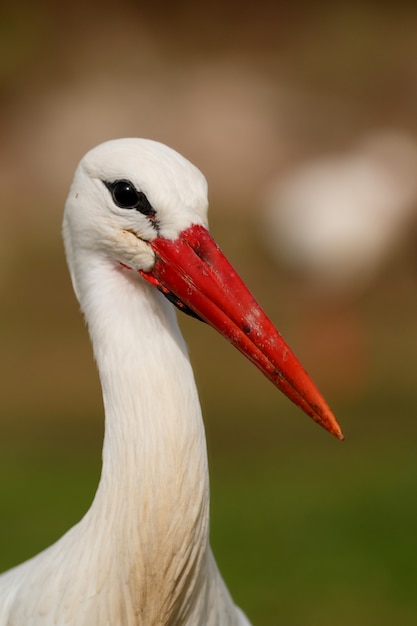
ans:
(154, 491)
(141, 555)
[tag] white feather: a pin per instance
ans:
(141, 554)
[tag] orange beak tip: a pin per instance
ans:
(335, 430)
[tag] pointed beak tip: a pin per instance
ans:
(334, 429)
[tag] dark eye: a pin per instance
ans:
(126, 196)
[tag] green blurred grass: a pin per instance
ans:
(320, 544)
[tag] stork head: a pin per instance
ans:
(125, 194)
(138, 204)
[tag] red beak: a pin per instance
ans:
(195, 272)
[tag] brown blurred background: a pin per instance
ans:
(306, 530)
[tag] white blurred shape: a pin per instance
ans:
(337, 219)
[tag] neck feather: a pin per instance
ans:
(140, 556)
(154, 485)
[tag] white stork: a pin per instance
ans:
(135, 230)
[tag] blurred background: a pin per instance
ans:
(304, 121)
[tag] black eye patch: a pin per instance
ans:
(126, 196)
